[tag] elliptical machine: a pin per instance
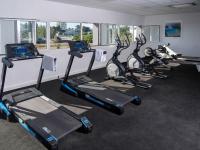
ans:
(146, 65)
(118, 71)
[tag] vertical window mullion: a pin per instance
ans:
(34, 31)
(81, 31)
(18, 36)
(48, 35)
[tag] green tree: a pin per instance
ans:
(76, 38)
(41, 31)
(123, 31)
(88, 38)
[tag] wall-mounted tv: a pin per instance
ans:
(173, 30)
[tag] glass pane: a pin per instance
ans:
(95, 30)
(123, 30)
(111, 34)
(87, 32)
(152, 33)
(108, 33)
(7, 33)
(41, 32)
(104, 33)
(155, 33)
(73, 31)
(58, 35)
(146, 32)
(26, 34)
(136, 32)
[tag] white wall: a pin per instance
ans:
(25, 72)
(189, 42)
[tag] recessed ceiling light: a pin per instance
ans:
(185, 5)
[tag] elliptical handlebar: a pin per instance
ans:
(140, 41)
(143, 39)
(118, 41)
(123, 45)
(128, 43)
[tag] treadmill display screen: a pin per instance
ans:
(79, 46)
(27, 50)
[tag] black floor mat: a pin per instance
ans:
(167, 119)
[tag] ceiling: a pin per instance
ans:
(140, 7)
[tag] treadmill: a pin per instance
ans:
(84, 87)
(42, 117)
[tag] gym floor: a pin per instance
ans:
(167, 119)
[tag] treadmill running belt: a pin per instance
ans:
(39, 114)
(106, 94)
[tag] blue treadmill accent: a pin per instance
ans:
(51, 138)
(4, 109)
(69, 88)
(26, 127)
(94, 100)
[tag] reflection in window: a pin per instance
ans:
(87, 32)
(26, 33)
(41, 33)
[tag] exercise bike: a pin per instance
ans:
(146, 65)
(160, 55)
(164, 52)
(118, 71)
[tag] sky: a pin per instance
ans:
(73, 25)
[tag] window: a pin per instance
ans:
(137, 30)
(87, 32)
(126, 30)
(41, 35)
(58, 35)
(25, 31)
(151, 32)
(48, 35)
(7, 33)
(73, 31)
(112, 30)
(155, 33)
(107, 34)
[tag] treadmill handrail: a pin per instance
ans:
(78, 54)
(7, 62)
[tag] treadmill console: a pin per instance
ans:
(80, 46)
(21, 51)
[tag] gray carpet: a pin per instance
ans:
(167, 119)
